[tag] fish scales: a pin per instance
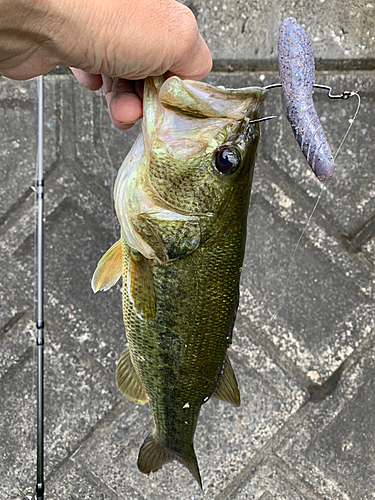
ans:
(182, 198)
(188, 336)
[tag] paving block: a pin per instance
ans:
(73, 482)
(17, 341)
(74, 243)
(19, 138)
(362, 246)
(331, 446)
(82, 153)
(311, 311)
(225, 440)
(78, 393)
(272, 479)
(12, 306)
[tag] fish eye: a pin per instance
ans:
(226, 160)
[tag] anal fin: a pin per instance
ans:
(127, 379)
(152, 456)
(109, 269)
(141, 284)
(227, 389)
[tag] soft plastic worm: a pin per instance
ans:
(297, 74)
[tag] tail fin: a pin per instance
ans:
(152, 457)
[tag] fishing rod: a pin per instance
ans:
(39, 317)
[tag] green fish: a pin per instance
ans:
(182, 198)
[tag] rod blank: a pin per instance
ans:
(40, 301)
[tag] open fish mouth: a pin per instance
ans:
(182, 118)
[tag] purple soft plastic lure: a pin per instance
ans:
(297, 73)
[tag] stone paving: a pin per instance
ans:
(304, 340)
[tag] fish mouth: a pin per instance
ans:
(202, 100)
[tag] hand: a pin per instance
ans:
(115, 44)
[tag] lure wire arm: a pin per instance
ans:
(344, 95)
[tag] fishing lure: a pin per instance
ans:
(297, 74)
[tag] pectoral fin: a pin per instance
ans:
(109, 269)
(141, 284)
(227, 390)
(127, 379)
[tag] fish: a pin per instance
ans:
(297, 75)
(181, 197)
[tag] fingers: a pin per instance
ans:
(124, 100)
(88, 80)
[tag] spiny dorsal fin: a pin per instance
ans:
(109, 269)
(141, 284)
(227, 390)
(152, 456)
(127, 379)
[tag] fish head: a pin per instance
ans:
(191, 163)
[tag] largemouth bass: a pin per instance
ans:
(182, 197)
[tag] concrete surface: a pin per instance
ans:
(304, 340)
(243, 34)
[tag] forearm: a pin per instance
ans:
(25, 27)
(36, 35)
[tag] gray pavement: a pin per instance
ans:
(306, 425)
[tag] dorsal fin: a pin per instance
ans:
(109, 269)
(127, 379)
(227, 389)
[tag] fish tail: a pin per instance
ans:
(152, 456)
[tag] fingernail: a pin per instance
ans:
(128, 123)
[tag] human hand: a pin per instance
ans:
(115, 44)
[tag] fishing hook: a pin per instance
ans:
(262, 119)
